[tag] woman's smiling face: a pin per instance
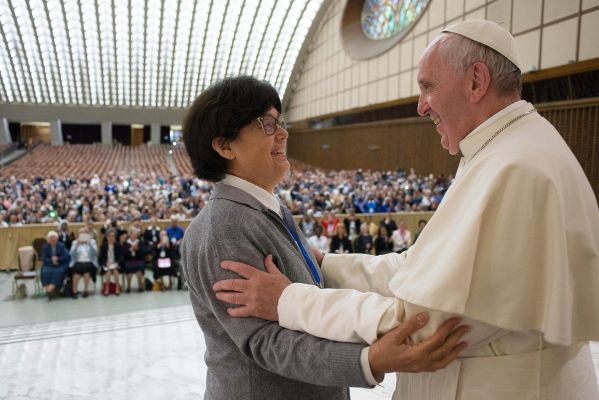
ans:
(260, 158)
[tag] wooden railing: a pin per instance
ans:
(11, 238)
(578, 123)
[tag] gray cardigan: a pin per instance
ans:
(250, 358)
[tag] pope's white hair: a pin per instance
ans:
(461, 52)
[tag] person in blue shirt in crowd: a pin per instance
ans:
(175, 232)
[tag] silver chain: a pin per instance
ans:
(504, 127)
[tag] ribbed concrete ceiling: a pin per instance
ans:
(153, 53)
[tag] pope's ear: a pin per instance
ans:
(222, 146)
(480, 81)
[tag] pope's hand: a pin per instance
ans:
(394, 352)
(257, 295)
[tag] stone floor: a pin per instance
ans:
(136, 346)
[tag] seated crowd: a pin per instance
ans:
(66, 258)
(354, 235)
(29, 200)
(111, 197)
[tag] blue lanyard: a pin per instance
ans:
(291, 228)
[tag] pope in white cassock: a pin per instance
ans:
(513, 248)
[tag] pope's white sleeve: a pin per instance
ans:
(346, 315)
(343, 315)
(361, 272)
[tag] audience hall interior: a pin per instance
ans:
(367, 171)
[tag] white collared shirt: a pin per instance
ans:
(266, 198)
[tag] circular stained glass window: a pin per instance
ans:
(383, 19)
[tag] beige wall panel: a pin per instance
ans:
(347, 83)
(346, 98)
(453, 9)
(372, 74)
(382, 90)
(405, 84)
(472, 4)
(420, 44)
(422, 24)
(436, 13)
(373, 69)
(383, 65)
(556, 9)
(528, 45)
(332, 84)
(589, 36)
(393, 92)
(559, 43)
(394, 60)
(527, 15)
(372, 94)
(476, 14)
(407, 51)
(500, 12)
(433, 33)
(363, 95)
(586, 4)
(364, 73)
(341, 82)
(355, 75)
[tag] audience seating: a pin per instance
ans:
(27, 270)
(85, 161)
(182, 161)
(38, 245)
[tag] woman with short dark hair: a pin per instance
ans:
(218, 116)
(235, 136)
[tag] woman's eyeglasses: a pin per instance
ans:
(269, 123)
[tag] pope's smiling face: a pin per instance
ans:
(443, 97)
